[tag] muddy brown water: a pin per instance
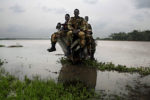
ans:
(33, 60)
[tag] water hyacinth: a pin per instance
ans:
(112, 67)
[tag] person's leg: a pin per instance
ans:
(69, 39)
(82, 39)
(93, 48)
(82, 43)
(53, 42)
(88, 43)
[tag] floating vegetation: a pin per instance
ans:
(2, 45)
(59, 54)
(12, 46)
(111, 67)
(1, 62)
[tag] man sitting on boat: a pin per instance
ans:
(90, 42)
(77, 26)
(61, 32)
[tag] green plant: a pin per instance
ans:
(112, 67)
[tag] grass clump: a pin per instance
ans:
(119, 68)
(2, 45)
(112, 67)
(12, 88)
(64, 61)
(12, 46)
(1, 62)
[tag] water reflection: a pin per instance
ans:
(70, 74)
(139, 91)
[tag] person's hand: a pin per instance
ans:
(89, 32)
(76, 31)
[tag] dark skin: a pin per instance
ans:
(58, 26)
(67, 18)
(76, 15)
(86, 18)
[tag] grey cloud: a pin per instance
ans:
(100, 25)
(138, 17)
(142, 3)
(141, 16)
(17, 9)
(15, 28)
(54, 10)
(19, 31)
(99, 28)
(1, 9)
(90, 1)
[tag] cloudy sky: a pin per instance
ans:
(38, 18)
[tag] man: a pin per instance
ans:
(77, 26)
(89, 38)
(61, 31)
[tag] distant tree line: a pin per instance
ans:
(135, 35)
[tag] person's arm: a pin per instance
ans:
(83, 25)
(89, 27)
(70, 24)
(58, 26)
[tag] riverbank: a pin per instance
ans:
(37, 89)
(47, 89)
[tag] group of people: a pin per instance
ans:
(78, 26)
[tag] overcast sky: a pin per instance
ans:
(38, 18)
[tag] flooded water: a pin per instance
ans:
(124, 52)
(33, 59)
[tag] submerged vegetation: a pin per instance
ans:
(112, 67)
(1, 62)
(12, 46)
(2, 45)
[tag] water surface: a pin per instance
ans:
(32, 59)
